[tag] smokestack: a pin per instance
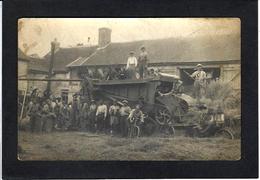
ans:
(104, 36)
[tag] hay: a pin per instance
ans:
(73, 146)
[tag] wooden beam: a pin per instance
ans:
(38, 79)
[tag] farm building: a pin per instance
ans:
(63, 56)
(23, 63)
(221, 57)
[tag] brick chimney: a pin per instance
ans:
(104, 36)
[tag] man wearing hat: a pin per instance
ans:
(136, 117)
(75, 112)
(34, 114)
(124, 112)
(113, 112)
(142, 62)
(56, 109)
(92, 115)
(199, 77)
(131, 65)
(101, 115)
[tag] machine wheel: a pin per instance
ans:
(163, 116)
(224, 133)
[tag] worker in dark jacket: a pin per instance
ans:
(84, 116)
(113, 113)
(65, 116)
(48, 117)
(56, 109)
(34, 113)
(143, 62)
(124, 122)
(136, 118)
(92, 116)
(75, 112)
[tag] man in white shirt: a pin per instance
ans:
(131, 66)
(199, 77)
(101, 115)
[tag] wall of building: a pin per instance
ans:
(167, 69)
(41, 85)
(58, 88)
(231, 73)
(22, 72)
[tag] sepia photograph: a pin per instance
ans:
(129, 89)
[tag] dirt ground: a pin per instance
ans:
(86, 146)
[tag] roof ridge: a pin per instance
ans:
(94, 53)
(74, 61)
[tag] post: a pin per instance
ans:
(24, 98)
(53, 48)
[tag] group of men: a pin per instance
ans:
(99, 116)
(137, 68)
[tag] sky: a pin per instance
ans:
(35, 34)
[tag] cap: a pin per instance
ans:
(199, 65)
(131, 52)
(142, 47)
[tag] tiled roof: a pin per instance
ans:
(65, 56)
(196, 49)
(62, 57)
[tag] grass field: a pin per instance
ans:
(86, 146)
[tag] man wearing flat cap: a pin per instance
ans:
(199, 77)
(124, 112)
(142, 62)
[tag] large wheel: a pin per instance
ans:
(163, 116)
(224, 133)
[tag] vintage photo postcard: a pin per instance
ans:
(164, 89)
